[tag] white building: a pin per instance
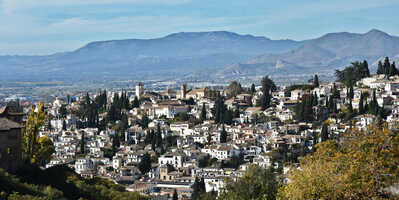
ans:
(83, 165)
(174, 159)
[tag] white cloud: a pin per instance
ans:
(23, 29)
(37, 38)
(38, 48)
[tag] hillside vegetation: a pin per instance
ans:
(58, 182)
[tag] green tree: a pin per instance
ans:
(175, 196)
(393, 70)
(253, 89)
(387, 66)
(359, 166)
(36, 150)
(203, 112)
(361, 104)
(234, 89)
(353, 73)
(116, 142)
(324, 132)
(136, 102)
(82, 143)
(198, 189)
(145, 164)
(63, 111)
(316, 81)
(49, 127)
(223, 135)
(304, 109)
(256, 183)
(265, 100)
(64, 126)
(380, 68)
(351, 93)
(158, 137)
(268, 85)
(219, 110)
(145, 121)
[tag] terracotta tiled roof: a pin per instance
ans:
(6, 124)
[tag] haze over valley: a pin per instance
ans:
(191, 55)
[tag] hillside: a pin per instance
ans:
(58, 183)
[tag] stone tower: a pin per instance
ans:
(183, 91)
(139, 90)
(10, 136)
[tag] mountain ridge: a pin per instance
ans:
(326, 53)
(186, 52)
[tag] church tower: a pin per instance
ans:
(183, 91)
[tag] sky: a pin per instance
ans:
(41, 27)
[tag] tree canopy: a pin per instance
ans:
(36, 150)
(387, 68)
(234, 89)
(256, 183)
(356, 71)
(363, 165)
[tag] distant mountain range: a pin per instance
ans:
(228, 55)
(322, 55)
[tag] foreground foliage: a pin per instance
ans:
(256, 183)
(363, 165)
(36, 150)
(58, 183)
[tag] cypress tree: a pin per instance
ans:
(116, 142)
(316, 81)
(49, 127)
(198, 188)
(253, 90)
(327, 103)
(265, 100)
(308, 115)
(366, 70)
(315, 100)
(299, 112)
(145, 164)
(335, 108)
(387, 66)
(394, 70)
(158, 136)
(331, 105)
(374, 104)
(223, 135)
(136, 103)
(82, 143)
(237, 111)
(351, 93)
(175, 196)
(335, 92)
(324, 132)
(350, 106)
(64, 125)
(203, 112)
(380, 69)
(361, 106)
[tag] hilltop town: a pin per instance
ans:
(166, 143)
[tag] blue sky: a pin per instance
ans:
(38, 27)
